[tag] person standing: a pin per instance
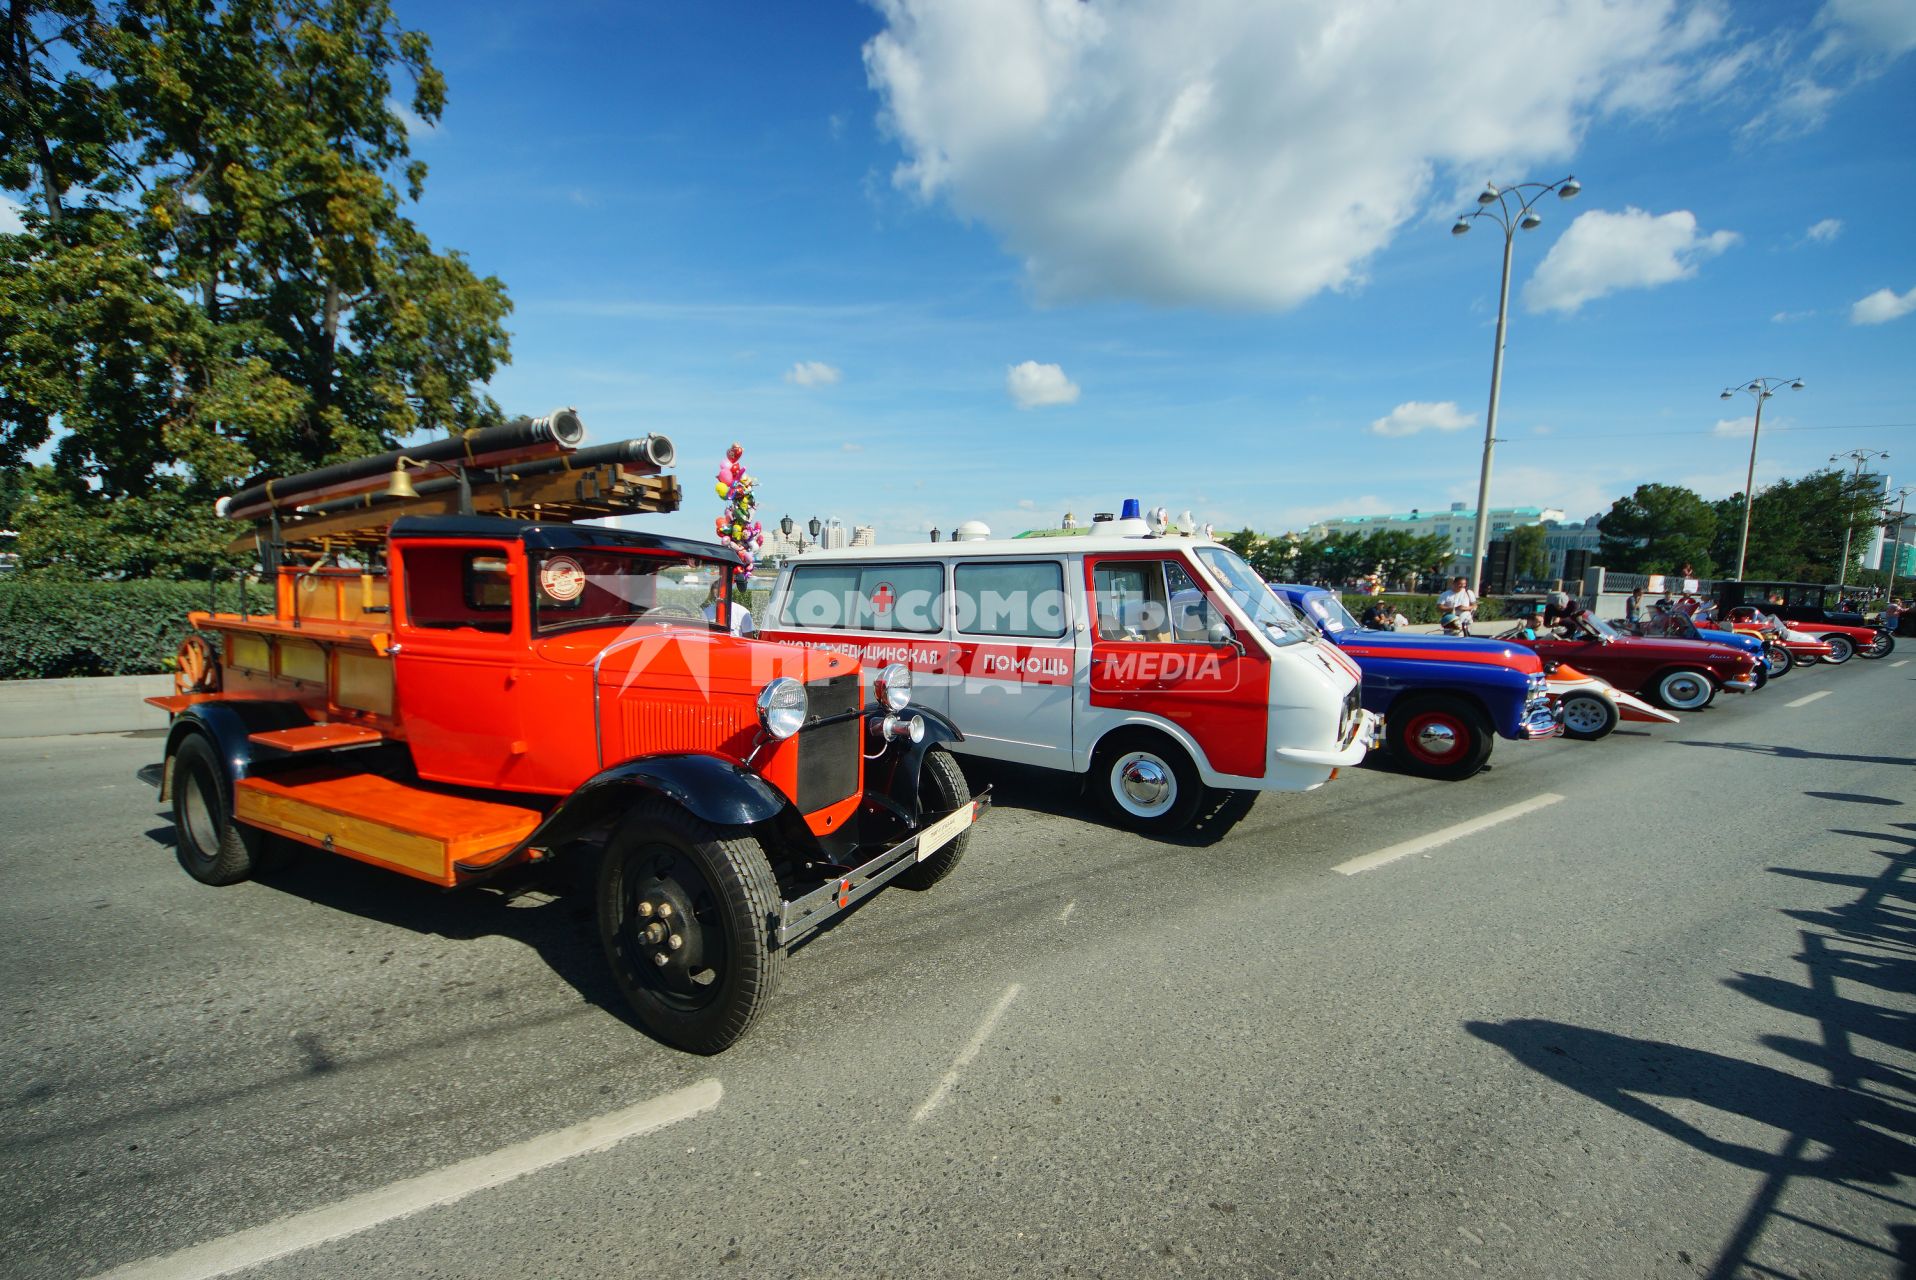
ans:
(1633, 607)
(1459, 605)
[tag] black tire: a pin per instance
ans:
(722, 894)
(1439, 737)
(1881, 647)
(211, 847)
(1684, 689)
(1842, 649)
(1588, 716)
(1146, 782)
(1778, 660)
(941, 788)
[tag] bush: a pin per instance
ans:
(50, 629)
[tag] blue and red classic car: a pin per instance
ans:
(1444, 701)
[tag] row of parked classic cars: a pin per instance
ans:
(1445, 699)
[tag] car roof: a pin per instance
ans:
(1005, 548)
(557, 537)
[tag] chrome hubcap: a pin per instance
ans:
(1435, 739)
(1145, 783)
(1685, 690)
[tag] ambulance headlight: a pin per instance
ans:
(893, 686)
(781, 707)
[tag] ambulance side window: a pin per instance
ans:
(1009, 598)
(906, 598)
(1132, 604)
(1191, 612)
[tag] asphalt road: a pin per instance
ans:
(1663, 1026)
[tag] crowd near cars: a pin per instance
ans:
(455, 692)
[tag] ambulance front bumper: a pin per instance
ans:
(1365, 732)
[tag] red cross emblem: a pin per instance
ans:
(882, 598)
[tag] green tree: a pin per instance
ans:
(1659, 529)
(239, 289)
(1397, 554)
(1796, 527)
(1532, 551)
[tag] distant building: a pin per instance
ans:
(1563, 538)
(1458, 524)
(864, 535)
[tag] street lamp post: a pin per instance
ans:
(1495, 202)
(1899, 515)
(1861, 456)
(1762, 389)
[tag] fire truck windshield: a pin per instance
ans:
(597, 588)
(1279, 622)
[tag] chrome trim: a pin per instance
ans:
(1739, 686)
(801, 916)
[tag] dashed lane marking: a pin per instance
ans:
(1900, 662)
(1808, 698)
(965, 1055)
(444, 1186)
(1419, 844)
(1065, 915)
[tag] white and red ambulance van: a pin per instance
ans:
(1158, 665)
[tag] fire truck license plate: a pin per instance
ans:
(945, 830)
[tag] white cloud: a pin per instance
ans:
(10, 224)
(1883, 306)
(1603, 252)
(851, 446)
(1412, 416)
(1790, 317)
(1733, 427)
(1214, 152)
(1825, 231)
(812, 373)
(1871, 28)
(417, 128)
(1033, 385)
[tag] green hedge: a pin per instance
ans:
(50, 629)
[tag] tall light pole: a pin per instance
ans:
(1899, 515)
(1861, 456)
(1496, 203)
(1762, 389)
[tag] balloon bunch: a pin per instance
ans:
(736, 528)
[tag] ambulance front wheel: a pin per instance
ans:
(1146, 782)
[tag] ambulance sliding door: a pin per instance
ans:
(1018, 650)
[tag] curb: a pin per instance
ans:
(101, 704)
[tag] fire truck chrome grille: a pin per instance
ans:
(828, 754)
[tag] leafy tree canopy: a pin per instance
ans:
(1660, 528)
(217, 276)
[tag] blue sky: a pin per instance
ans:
(830, 231)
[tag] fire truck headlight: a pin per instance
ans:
(893, 686)
(781, 707)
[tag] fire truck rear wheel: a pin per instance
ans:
(683, 911)
(941, 788)
(1146, 782)
(211, 847)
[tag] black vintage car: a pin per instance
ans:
(1810, 603)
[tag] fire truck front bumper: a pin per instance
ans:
(803, 915)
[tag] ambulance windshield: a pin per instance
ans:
(1280, 624)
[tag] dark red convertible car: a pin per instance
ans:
(1682, 675)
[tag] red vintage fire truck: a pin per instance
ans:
(461, 679)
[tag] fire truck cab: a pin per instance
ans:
(458, 694)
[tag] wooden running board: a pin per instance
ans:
(318, 737)
(406, 826)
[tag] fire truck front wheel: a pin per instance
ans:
(209, 844)
(682, 914)
(941, 789)
(1146, 782)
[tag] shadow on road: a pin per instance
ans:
(1063, 796)
(1853, 1129)
(1852, 797)
(1794, 753)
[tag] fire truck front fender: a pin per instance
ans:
(909, 757)
(710, 788)
(228, 726)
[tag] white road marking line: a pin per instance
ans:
(429, 1190)
(1900, 662)
(1065, 915)
(1418, 845)
(966, 1054)
(1808, 698)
